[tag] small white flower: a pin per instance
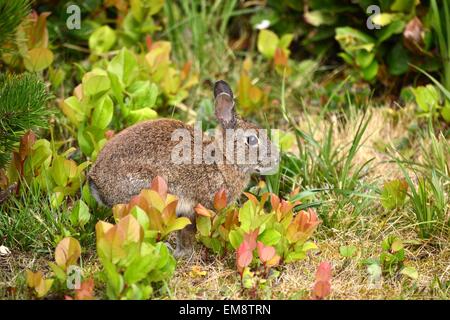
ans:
(4, 251)
(264, 24)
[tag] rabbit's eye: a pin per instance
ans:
(252, 140)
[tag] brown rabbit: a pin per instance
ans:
(131, 159)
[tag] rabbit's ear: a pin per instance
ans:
(224, 105)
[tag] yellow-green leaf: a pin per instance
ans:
(38, 59)
(67, 252)
(267, 43)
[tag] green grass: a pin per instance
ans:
(345, 149)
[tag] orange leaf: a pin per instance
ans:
(186, 69)
(274, 201)
(86, 291)
(202, 211)
(26, 144)
(148, 42)
(220, 199)
(280, 58)
(252, 198)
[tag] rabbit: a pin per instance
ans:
(131, 159)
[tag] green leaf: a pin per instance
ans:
(410, 272)
(445, 112)
(179, 224)
(204, 225)
(58, 271)
(84, 141)
(236, 237)
(352, 40)
(103, 112)
(398, 60)
(73, 110)
(270, 237)
(393, 194)
(383, 19)
(135, 116)
(246, 216)
(96, 84)
(320, 17)
(114, 279)
(295, 256)
(143, 94)
(141, 217)
(58, 171)
(371, 71)
(346, 57)
(309, 245)
(124, 66)
(139, 268)
(102, 40)
(267, 43)
(80, 214)
(42, 153)
(347, 251)
(427, 97)
(403, 5)
(396, 27)
(285, 41)
(364, 58)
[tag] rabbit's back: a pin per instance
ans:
(131, 159)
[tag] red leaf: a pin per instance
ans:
(220, 199)
(148, 42)
(159, 185)
(250, 239)
(322, 286)
(244, 255)
(321, 290)
(109, 134)
(266, 253)
(323, 272)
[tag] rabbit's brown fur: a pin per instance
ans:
(131, 159)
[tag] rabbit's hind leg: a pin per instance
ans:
(185, 242)
(186, 236)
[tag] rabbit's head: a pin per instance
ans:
(243, 143)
